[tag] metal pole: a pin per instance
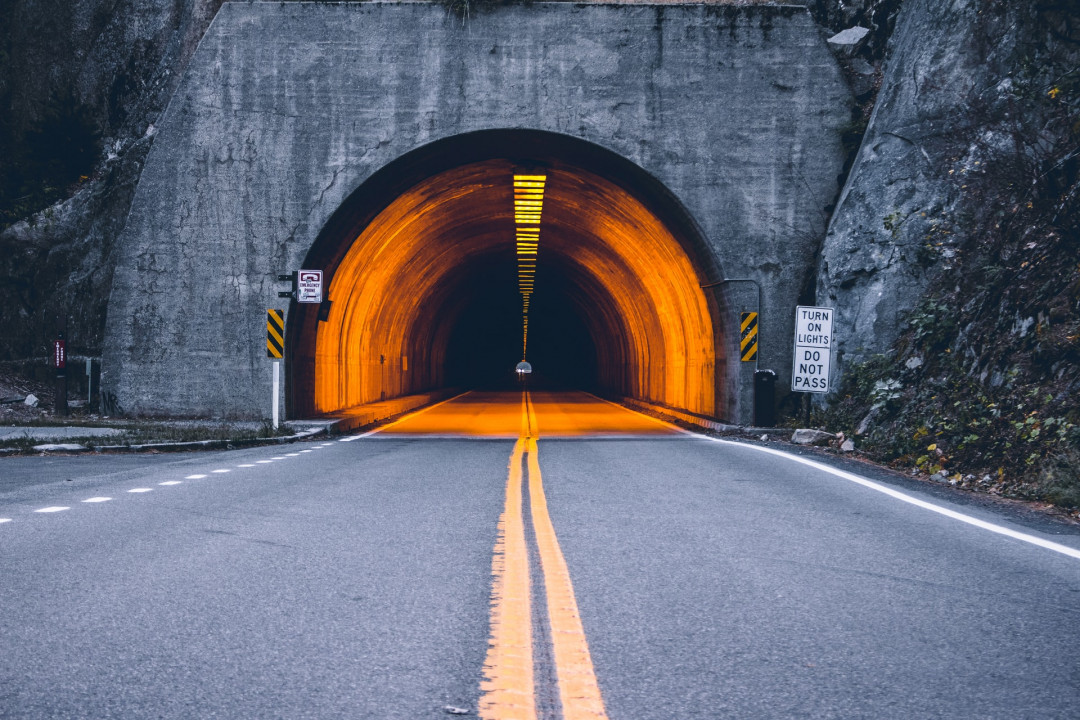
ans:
(277, 385)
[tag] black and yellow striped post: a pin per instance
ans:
(748, 347)
(275, 349)
(275, 334)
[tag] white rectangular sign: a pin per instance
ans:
(309, 286)
(813, 349)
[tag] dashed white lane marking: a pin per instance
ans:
(326, 444)
(264, 462)
(292, 454)
(220, 470)
(999, 529)
(97, 499)
(55, 508)
(140, 490)
(4, 520)
(304, 451)
(281, 457)
(171, 482)
(194, 477)
(247, 465)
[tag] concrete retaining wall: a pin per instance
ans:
(286, 109)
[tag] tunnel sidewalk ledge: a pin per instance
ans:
(363, 417)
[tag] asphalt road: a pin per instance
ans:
(352, 578)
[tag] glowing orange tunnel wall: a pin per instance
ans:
(400, 287)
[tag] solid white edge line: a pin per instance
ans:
(999, 529)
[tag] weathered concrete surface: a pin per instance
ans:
(286, 109)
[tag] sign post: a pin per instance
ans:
(813, 350)
(275, 349)
(60, 363)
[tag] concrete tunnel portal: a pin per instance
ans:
(420, 271)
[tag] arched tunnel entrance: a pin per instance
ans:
(421, 269)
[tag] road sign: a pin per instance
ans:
(275, 334)
(813, 349)
(309, 286)
(748, 344)
(59, 354)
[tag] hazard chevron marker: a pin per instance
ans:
(749, 343)
(275, 334)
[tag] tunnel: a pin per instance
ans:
(423, 277)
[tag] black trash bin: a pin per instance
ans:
(764, 398)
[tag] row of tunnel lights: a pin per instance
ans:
(528, 205)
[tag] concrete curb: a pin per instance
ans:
(683, 417)
(213, 444)
(360, 418)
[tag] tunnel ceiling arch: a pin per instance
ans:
(433, 235)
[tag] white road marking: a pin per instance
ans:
(4, 520)
(992, 527)
(220, 470)
(304, 451)
(264, 462)
(194, 477)
(52, 509)
(280, 457)
(292, 454)
(140, 490)
(246, 465)
(97, 499)
(326, 444)
(171, 482)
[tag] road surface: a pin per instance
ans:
(556, 558)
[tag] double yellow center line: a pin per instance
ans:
(509, 686)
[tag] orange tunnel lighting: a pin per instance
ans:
(403, 287)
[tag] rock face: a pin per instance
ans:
(118, 63)
(892, 230)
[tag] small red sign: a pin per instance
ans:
(59, 354)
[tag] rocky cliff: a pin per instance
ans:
(80, 87)
(952, 256)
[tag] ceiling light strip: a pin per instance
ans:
(528, 207)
